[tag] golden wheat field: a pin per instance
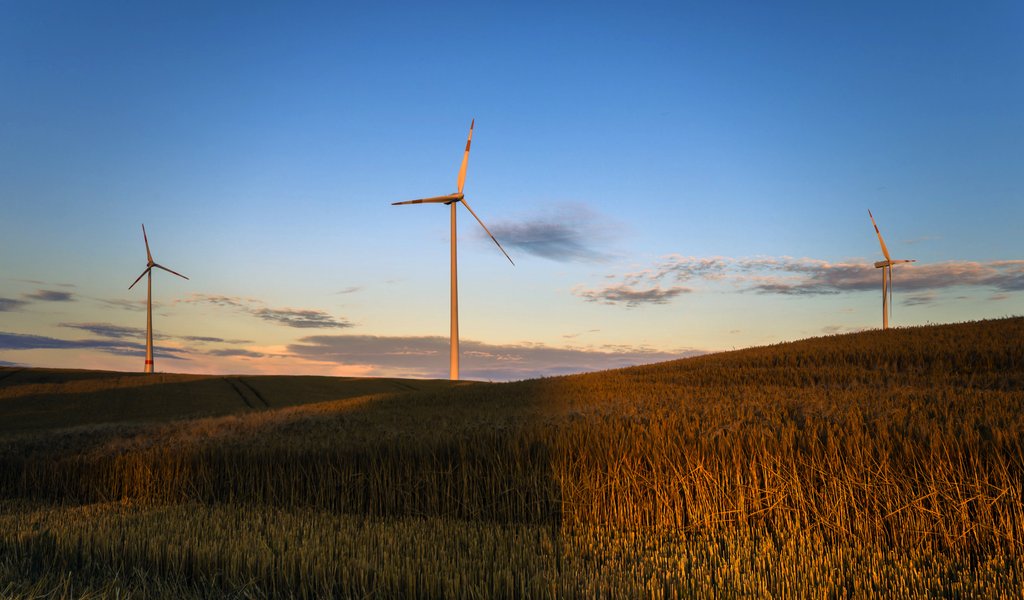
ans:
(878, 464)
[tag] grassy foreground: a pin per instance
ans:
(878, 464)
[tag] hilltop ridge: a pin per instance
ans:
(977, 354)
(866, 462)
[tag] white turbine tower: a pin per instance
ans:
(886, 266)
(149, 299)
(451, 200)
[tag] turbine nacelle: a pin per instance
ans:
(888, 263)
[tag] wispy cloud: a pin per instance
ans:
(219, 300)
(203, 339)
(428, 356)
(108, 330)
(569, 233)
(808, 277)
(290, 317)
(11, 304)
(820, 277)
(50, 296)
(303, 319)
(132, 305)
(925, 299)
(111, 331)
(349, 290)
(621, 293)
(18, 341)
(37, 282)
(240, 352)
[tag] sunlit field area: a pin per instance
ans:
(876, 464)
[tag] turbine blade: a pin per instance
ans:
(140, 277)
(149, 257)
(885, 250)
(465, 157)
(466, 204)
(169, 271)
(434, 200)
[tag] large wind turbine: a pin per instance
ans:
(149, 298)
(886, 266)
(451, 200)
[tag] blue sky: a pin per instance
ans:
(669, 178)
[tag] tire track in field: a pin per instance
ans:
(406, 386)
(239, 391)
(258, 395)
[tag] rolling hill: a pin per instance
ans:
(876, 464)
(35, 399)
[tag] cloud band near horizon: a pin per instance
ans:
(799, 277)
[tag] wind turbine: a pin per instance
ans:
(149, 299)
(452, 200)
(886, 266)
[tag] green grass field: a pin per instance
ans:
(878, 464)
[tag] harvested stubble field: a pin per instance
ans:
(878, 464)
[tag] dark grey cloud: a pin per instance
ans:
(628, 295)
(808, 277)
(132, 305)
(569, 233)
(681, 269)
(819, 277)
(1013, 279)
(428, 356)
(50, 296)
(290, 317)
(236, 352)
(788, 289)
(302, 319)
(203, 339)
(350, 290)
(19, 341)
(801, 277)
(11, 304)
(925, 299)
(218, 300)
(108, 330)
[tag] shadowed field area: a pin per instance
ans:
(34, 399)
(878, 464)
